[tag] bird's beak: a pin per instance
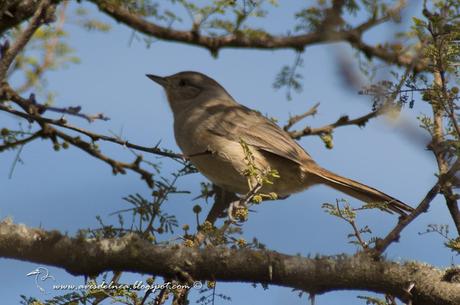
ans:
(158, 79)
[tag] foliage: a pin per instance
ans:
(423, 70)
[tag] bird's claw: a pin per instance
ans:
(233, 208)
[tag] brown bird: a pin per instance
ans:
(210, 127)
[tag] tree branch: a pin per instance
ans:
(53, 133)
(393, 236)
(33, 114)
(12, 13)
(266, 41)
(297, 118)
(8, 145)
(24, 37)
(117, 166)
(318, 275)
(50, 51)
(342, 121)
(439, 137)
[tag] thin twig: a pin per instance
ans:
(53, 133)
(374, 21)
(8, 145)
(117, 166)
(31, 105)
(360, 121)
(94, 136)
(16, 160)
(162, 296)
(352, 222)
(382, 245)
(73, 111)
(342, 121)
(393, 236)
(297, 118)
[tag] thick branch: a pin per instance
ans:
(24, 37)
(50, 51)
(438, 137)
(317, 275)
(12, 13)
(266, 41)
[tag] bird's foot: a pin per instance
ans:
(237, 211)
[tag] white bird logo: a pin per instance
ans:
(41, 274)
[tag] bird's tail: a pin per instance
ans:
(360, 191)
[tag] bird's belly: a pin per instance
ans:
(221, 172)
(226, 170)
(223, 162)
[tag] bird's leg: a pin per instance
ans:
(233, 206)
(242, 203)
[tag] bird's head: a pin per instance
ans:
(188, 87)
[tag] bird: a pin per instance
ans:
(213, 131)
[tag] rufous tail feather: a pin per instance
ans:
(361, 191)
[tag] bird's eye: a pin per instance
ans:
(182, 83)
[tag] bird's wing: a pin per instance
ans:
(236, 122)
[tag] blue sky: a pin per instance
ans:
(65, 190)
